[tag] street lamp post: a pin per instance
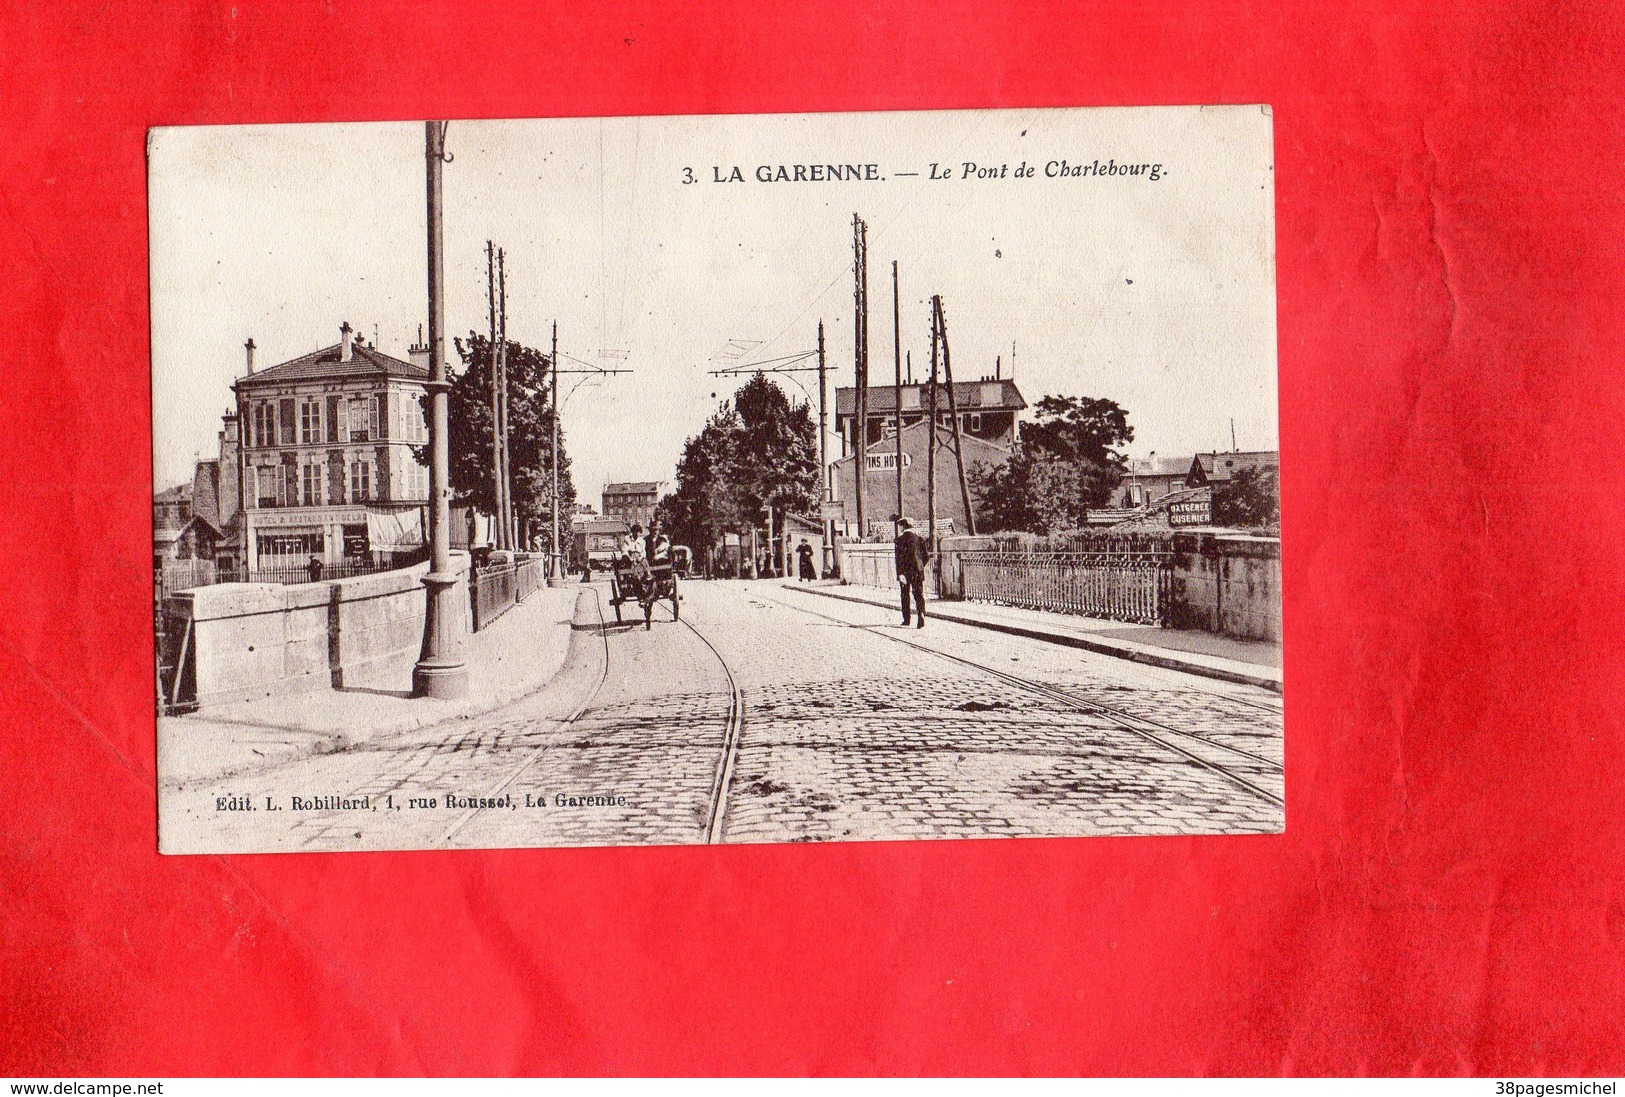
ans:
(441, 670)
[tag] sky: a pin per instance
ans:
(1158, 294)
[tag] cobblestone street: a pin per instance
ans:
(770, 714)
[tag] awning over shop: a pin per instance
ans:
(394, 530)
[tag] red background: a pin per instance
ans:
(1447, 897)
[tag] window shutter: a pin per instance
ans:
(333, 419)
(335, 476)
(381, 489)
(383, 416)
(372, 417)
(288, 434)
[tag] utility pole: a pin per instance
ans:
(496, 410)
(953, 412)
(440, 671)
(504, 468)
(556, 576)
(897, 383)
(931, 440)
(496, 291)
(823, 450)
(860, 359)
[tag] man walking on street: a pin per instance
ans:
(912, 555)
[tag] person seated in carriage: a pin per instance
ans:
(633, 554)
(657, 547)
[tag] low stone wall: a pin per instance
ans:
(872, 565)
(245, 641)
(1227, 583)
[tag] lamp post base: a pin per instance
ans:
(555, 577)
(441, 671)
(442, 683)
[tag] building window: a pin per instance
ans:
(311, 483)
(356, 546)
(359, 419)
(975, 420)
(303, 545)
(264, 425)
(310, 421)
(361, 481)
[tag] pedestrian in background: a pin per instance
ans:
(314, 570)
(912, 555)
(804, 556)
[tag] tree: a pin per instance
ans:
(1066, 463)
(775, 457)
(530, 437)
(1251, 499)
(704, 504)
(759, 451)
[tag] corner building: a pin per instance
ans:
(326, 467)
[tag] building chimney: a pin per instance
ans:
(248, 347)
(418, 353)
(347, 341)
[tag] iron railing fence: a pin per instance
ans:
(492, 592)
(1131, 586)
(291, 574)
(532, 574)
(186, 574)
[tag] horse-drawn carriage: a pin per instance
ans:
(645, 585)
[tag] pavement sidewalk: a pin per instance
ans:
(1249, 662)
(517, 655)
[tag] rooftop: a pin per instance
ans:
(1223, 465)
(1155, 465)
(324, 365)
(968, 395)
(640, 487)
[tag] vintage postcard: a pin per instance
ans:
(716, 479)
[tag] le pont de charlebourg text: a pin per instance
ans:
(967, 169)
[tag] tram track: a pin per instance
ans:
(1142, 727)
(535, 753)
(717, 805)
(1274, 707)
(716, 816)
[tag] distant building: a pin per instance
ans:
(632, 502)
(1151, 478)
(1174, 492)
(987, 411)
(324, 464)
(172, 508)
(987, 424)
(1219, 466)
(880, 481)
(595, 541)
